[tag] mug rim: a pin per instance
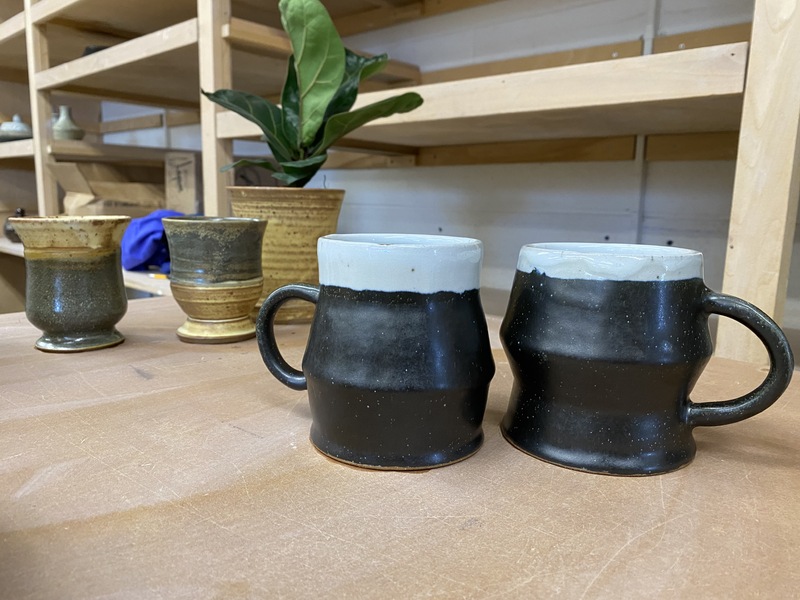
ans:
(400, 262)
(614, 249)
(610, 261)
(401, 240)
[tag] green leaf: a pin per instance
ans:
(319, 59)
(298, 173)
(340, 125)
(290, 105)
(262, 112)
(357, 68)
(247, 162)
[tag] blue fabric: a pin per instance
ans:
(144, 243)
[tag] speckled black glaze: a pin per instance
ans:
(76, 301)
(603, 370)
(211, 250)
(396, 380)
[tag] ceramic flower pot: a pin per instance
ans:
(74, 289)
(215, 275)
(297, 218)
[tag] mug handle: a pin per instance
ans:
(265, 332)
(781, 363)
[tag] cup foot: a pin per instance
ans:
(588, 462)
(198, 331)
(79, 342)
(381, 462)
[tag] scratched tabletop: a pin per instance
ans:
(159, 469)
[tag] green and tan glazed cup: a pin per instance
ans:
(74, 291)
(215, 275)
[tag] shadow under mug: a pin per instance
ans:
(398, 361)
(606, 342)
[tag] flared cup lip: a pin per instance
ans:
(611, 261)
(70, 219)
(212, 219)
(404, 240)
(400, 262)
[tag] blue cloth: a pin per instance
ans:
(144, 243)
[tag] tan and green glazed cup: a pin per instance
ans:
(215, 275)
(74, 291)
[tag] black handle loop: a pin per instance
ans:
(265, 332)
(781, 363)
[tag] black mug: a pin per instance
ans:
(398, 361)
(606, 342)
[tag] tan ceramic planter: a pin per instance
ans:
(296, 219)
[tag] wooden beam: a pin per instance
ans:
(131, 123)
(695, 90)
(216, 72)
(387, 14)
(539, 61)
(571, 150)
(767, 182)
(692, 146)
(703, 38)
(159, 42)
(273, 42)
(41, 112)
(12, 27)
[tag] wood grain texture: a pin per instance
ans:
(185, 471)
(767, 184)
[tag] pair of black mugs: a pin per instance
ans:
(605, 342)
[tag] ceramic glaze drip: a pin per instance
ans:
(615, 262)
(423, 264)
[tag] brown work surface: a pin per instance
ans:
(159, 469)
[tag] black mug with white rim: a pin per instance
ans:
(606, 342)
(398, 361)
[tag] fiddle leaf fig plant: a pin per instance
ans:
(321, 87)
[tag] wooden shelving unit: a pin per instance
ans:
(163, 52)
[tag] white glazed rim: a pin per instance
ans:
(407, 240)
(609, 261)
(397, 262)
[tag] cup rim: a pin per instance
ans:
(210, 219)
(610, 261)
(401, 240)
(614, 249)
(69, 218)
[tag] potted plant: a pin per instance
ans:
(316, 110)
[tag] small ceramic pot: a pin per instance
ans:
(215, 275)
(64, 128)
(74, 289)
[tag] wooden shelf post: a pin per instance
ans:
(41, 112)
(215, 73)
(767, 183)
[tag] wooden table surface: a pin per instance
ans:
(159, 469)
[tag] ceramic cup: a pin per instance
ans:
(398, 361)
(215, 275)
(606, 342)
(74, 291)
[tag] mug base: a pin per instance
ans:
(197, 331)
(79, 342)
(405, 463)
(599, 465)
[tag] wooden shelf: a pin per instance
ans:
(11, 248)
(16, 149)
(73, 150)
(676, 92)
